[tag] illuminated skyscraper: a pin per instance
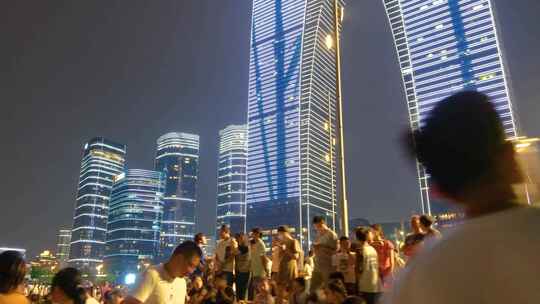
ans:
(62, 246)
(231, 194)
(293, 126)
(102, 160)
(443, 47)
(178, 158)
(135, 214)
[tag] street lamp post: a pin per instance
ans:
(338, 15)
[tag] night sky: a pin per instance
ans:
(133, 70)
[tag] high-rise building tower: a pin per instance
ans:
(231, 193)
(443, 47)
(134, 225)
(62, 246)
(102, 160)
(293, 110)
(178, 158)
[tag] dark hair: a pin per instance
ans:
(337, 276)
(459, 142)
(70, 282)
(108, 296)
(221, 276)
(361, 233)
(378, 228)
(256, 230)
(337, 286)
(318, 220)
(312, 297)
(225, 228)
(188, 249)
(353, 300)
(344, 238)
(426, 220)
(198, 237)
(12, 270)
(301, 281)
(283, 228)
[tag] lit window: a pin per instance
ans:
(326, 126)
(424, 7)
(439, 26)
(329, 41)
(327, 157)
(477, 7)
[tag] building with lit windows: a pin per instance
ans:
(443, 47)
(62, 246)
(177, 157)
(292, 114)
(134, 224)
(231, 188)
(102, 160)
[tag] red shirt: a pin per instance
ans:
(384, 250)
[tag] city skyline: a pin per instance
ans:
(443, 47)
(196, 87)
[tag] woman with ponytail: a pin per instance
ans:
(12, 273)
(66, 287)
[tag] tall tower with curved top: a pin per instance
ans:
(102, 160)
(443, 47)
(293, 115)
(177, 157)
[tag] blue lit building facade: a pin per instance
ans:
(134, 223)
(231, 188)
(292, 127)
(177, 157)
(443, 47)
(102, 160)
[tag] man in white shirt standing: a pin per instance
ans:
(259, 260)
(493, 256)
(165, 283)
(367, 266)
(226, 250)
(344, 261)
(324, 247)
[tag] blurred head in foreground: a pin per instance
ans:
(463, 147)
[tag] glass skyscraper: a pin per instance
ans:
(177, 158)
(134, 225)
(62, 246)
(231, 193)
(292, 114)
(102, 160)
(443, 47)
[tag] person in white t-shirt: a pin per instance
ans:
(226, 250)
(344, 261)
(493, 256)
(165, 283)
(367, 266)
(259, 261)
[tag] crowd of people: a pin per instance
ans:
(492, 257)
(242, 270)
